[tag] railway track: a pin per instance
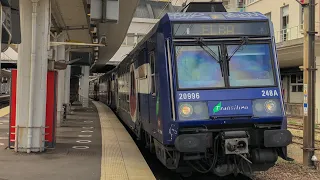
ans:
(300, 127)
(4, 101)
(299, 141)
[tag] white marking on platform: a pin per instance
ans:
(87, 131)
(1, 123)
(2, 138)
(88, 121)
(84, 135)
(80, 147)
(84, 141)
(87, 127)
(1, 144)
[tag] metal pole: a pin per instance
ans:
(309, 83)
(1, 24)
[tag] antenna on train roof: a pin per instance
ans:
(204, 7)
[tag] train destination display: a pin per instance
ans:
(221, 29)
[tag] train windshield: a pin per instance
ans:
(197, 68)
(250, 66)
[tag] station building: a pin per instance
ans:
(287, 18)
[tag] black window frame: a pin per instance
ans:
(152, 72)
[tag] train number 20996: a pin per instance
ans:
(189, 96)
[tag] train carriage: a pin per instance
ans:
(203, 91)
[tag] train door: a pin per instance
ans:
(109, 91)
(143, 89)
(152, 96)
(116, 98)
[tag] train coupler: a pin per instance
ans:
(235, 142)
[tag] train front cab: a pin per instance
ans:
(228, 111)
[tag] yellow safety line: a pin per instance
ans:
(112, 165)
(121, 158)
(4, 111)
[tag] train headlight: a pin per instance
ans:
(270, 106)
(193, 111)
(186, 110)
(266, 107)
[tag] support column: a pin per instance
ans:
(80, 86)
(317, 93)
(67, 83)
(32, 75)
(60, 56)
(85, 86)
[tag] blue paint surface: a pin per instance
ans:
(229, 94)
(229, 121)
(210, 16)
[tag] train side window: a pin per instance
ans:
(152, 66)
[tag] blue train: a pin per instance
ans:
(202, 90)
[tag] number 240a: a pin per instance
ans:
(269, 93)
(189, 96)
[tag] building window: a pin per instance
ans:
(241, 3)
(301, 18)
(284, 22)
(129, 40)
(251, 1)
(140, 37)
(296, 83)
(268, 15)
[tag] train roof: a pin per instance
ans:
(193, 17)
(214, 16)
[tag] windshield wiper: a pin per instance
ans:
(228, 58)
(244, 41)
(211, 53)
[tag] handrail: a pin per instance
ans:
(292, 33)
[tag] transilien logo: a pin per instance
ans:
(217, 108)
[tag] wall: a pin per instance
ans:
(296, 97)
(274, 6)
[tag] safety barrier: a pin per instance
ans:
(292, 33)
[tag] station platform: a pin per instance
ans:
(91, 144)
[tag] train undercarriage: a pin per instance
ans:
(222, 153)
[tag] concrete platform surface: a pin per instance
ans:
(65, 161)
(121, 158)
(92, 144)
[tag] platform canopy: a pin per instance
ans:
(75, 17)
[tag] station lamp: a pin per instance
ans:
(303, 2)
